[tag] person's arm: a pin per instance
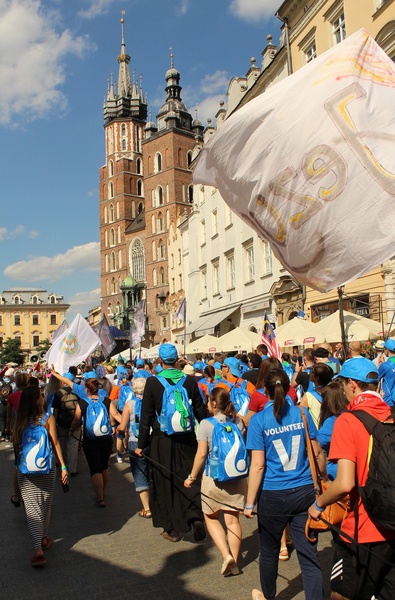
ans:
(198, 463)
(321, 460)
(64, 476)
(254, 480)
(304, 401)
(59, 376)
(342, 485)
(125, 418)
(248, 416)
(76, 422)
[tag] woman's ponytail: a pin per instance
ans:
(276, 384)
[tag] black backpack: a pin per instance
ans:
(378, 493)
(67, 405)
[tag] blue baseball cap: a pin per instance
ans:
(89, 375)
(100, 371)
(234, 365)
(140, 362)
(358, 369)
(168, 353)
(390, 344)
(217, 365)
(199, 365)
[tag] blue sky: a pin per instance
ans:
(55, 59)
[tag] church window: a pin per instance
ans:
(138, 166)
(158, 162)
(139, 187)
(111, 213)
(111, 168)
(137, 260)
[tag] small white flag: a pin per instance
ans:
(75, 345)
(181, 311)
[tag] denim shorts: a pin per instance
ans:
(139, 468)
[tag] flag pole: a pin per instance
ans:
(340, 291)
(185, 325)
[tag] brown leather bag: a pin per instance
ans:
(334, 513)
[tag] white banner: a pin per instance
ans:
(75, 345)
(310, 164)
(61, 329)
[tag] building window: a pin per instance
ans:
(164, 322)
(139, 187)
(34, 300)
(111, 213)
(1, 320)
(228, 216)
(230, 271)
(138, 260)
(52, 299)
(179, 256)
(105, 214)
(311, 53)
(112, 237)
(111, 165)
(214, 223)
(189, 158)
(52, 320)
(172, 261)
(267, 259)
(173, 285)
(339, 28)
(215, 277)
(36, 340)
(113, 286)
(180, 281)
(17, 319)
(113, 263)
(34, 319)
(120, 259)
(190, 194)
(162, 279)
(250, 263)
(106, 239)
(159, 192)
(138, 166)
(204, 283)
(160, 222)
(123, 145)
(158, 162)
(17, 300)
(203, 232)
(161, 250)
(111, 190)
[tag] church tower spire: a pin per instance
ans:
(125, 100)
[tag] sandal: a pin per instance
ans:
(15, 501)
(38, 561)
(146, 514)
(100, 503)
(283, 554)
(46, 542)
(227, 565)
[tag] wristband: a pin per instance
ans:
(246, 507)
(318, 507)
(64, 468)
(190, 478)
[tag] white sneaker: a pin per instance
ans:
(119, 458)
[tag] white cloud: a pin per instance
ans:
(208, 107)
(214, 83)
(182, 7)
(96, 8)
(82, 303)
(251, 10)
(19, 230)
(32, 55)
(53, 268)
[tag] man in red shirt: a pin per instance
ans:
(367, 569)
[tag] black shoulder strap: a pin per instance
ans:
(366, 419)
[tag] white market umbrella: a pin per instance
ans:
(295, 332)
(152, 352)
(356, 328)
(206, 344)
(239, 339)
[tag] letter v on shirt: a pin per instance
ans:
(288, 462)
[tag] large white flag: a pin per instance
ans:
(139, 323)
(61, 329)
(310, 164)
(74, 346)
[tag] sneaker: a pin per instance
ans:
(119, 458)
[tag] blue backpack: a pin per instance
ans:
(135, 422)
(240, 397)
(36, 456)
(125, 393)
(177, 414)
(97, 421)
(228, 458)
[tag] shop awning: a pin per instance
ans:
(206, 324)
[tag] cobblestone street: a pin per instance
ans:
(112, 552)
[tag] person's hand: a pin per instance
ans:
(64, 476)
(314, 513)
(248, 511)
(188, 483)
(138, 451)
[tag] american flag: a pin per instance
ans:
(268, 338)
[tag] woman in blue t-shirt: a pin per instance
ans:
(280, 474)
(334, 402)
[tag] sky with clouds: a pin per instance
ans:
(55, 60)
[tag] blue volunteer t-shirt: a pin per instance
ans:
(284, 443)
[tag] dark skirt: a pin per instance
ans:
(173, 506)
(97, 453)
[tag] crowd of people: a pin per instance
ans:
(209, 440)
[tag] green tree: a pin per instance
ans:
(11, 352)
(43, 347)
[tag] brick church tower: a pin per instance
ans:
(167, 155)
(121, 195)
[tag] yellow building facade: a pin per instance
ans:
(30, 315)
(310, 28)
